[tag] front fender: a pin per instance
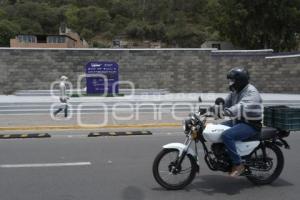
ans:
(181, 147)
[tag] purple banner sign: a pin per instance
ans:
(99, 72)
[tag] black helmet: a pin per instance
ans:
(239, 78)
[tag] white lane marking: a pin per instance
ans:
(96, 109)
(118, 49)
(45, 165)
(283, 56)
(83, 113)
(242, 51)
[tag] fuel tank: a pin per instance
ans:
(213, 132)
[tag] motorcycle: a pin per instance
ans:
(176, 164)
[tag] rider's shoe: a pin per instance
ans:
(237, 170)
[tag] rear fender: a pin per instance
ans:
(281, 142)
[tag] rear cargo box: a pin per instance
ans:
(282, 117)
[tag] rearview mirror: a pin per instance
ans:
(220, 101)
(200, 99)
(202, 110)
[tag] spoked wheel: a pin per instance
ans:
(265, 171)
(167, 175)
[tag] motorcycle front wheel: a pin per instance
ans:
(266, 170)
(167, 175)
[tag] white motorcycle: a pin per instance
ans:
(177, 164)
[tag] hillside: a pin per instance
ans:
(176, 23)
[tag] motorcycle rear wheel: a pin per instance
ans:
(261, 180)
(160, 178)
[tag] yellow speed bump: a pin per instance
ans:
(23, 136)
(121, 133)
(42, 135)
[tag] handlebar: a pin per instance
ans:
(205, 112)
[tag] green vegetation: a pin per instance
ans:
(251, 24)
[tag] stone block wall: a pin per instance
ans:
(178, 70)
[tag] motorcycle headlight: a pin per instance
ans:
(186, 125)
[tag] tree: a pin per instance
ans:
(8, 30)
(156, 32)
(122, 8)
(72, 17)
(135, 29)
(89, 18)
(187, 37)
(181, 33)
(93, 18)
(2, 14)
(28, 26)
(86, 34)
(260, 24)
(38, 13)
(119, 23)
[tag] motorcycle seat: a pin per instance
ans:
(265, 134)
(268, 133)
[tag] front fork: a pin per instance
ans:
(181, 157)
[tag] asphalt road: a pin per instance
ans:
(120, 168)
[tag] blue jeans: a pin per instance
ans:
(237, 132)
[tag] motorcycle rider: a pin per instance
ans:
(244, 106)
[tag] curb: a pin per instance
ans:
(77, 127)
(127, 133)
(24, 136)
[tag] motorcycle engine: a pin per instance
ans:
(223, 162)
